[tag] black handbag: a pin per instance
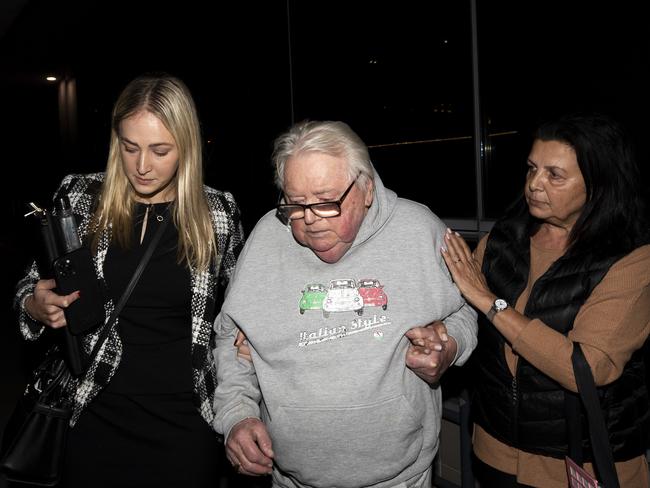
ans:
(39, 426)
(34, 440)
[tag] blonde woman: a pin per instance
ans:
(143, 408)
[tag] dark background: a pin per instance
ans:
(402, 75)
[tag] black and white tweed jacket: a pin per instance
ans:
(82, 190)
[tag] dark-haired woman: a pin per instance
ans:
(568, 265)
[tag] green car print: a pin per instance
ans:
(312, 297)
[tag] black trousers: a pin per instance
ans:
(490, 477)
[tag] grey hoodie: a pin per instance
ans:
(328, 347)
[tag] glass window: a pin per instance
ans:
(542, 58)
(402, 79)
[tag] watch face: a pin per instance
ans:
(500, 304)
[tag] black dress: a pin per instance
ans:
(143, 429)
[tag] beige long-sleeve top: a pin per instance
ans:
(612, 324)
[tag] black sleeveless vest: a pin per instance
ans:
(527, 411)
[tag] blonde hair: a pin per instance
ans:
(170, 101)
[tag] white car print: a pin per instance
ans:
(342, 296)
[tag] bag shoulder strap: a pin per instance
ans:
(129, 289)
(603, 459)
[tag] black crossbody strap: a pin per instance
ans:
(572, 408)
(129, 288)
(603, 459)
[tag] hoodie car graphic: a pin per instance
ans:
(342, 296)
(372, 293)
(312, 297)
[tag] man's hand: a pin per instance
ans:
(431, 351)
(249, 448)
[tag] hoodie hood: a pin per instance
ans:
(383, 205)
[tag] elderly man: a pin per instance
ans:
(326, 290)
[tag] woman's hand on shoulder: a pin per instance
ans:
(47, 307)
(466, 271)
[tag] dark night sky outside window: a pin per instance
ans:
(401, 78)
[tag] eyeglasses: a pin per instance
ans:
(293, 211)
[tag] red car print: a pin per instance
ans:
(373, 293)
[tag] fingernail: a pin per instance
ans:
(448, 230)
(444, 337)
(457, 234)
(443, 249)
(438, 347)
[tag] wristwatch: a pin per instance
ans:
(499, 305)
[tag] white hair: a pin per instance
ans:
(333, 138)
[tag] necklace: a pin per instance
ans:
(159, 217)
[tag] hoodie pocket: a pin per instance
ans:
(346, 446)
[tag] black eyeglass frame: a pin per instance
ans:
(282, 214)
